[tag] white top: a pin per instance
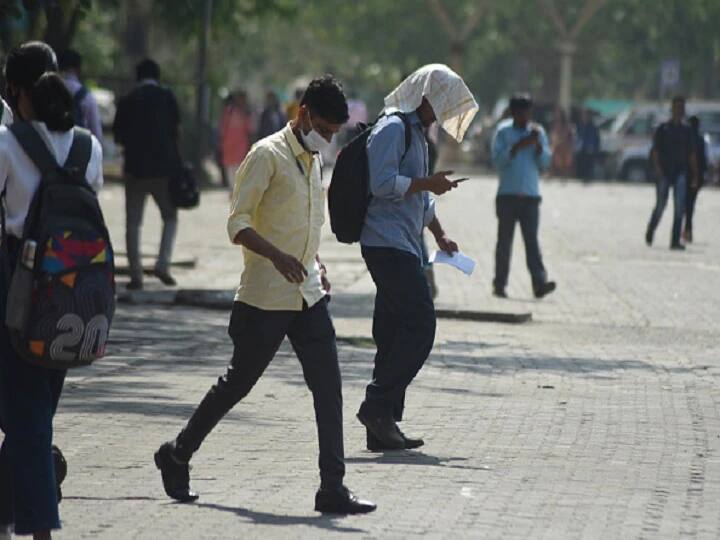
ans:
(21, 177)
(7, 117)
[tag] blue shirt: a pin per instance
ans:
(394, 219)
(519, 175)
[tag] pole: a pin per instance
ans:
(202, 111)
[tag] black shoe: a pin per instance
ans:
(649, 237)
(341, 501)
(175, 474)
(385, 429)
(375, 445)
(677, 246)
(166, 278)
(60, 469)
(544, 289)
(500, 293)
(134, 285)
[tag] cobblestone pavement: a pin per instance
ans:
(599, 419)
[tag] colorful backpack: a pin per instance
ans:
(61, 298)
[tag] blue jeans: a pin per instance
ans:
(28, 399)
(510, 210)
(662, 191)
(403, 327)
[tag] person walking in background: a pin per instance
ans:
(29, 394)
(701, 153)
(86, 111)
(391, 239)
(236, 132)
(277, 213)
(272, 118)
(147, 126)
(674, 156)
(520, 151)
(587, 146)
(561, 138)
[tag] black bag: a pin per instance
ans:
(184, 190)
(61, 298)
(349, 194)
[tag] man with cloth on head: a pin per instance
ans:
(391, 239)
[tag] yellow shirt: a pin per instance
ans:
(278, 192)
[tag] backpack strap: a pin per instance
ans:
(80, 151)
(34, 146)
(408, 130)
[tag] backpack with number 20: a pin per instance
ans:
(62, 294)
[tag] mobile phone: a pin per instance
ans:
(459, 180)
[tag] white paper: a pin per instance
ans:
(460, 261)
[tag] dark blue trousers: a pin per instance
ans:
(512, 209)
(678, 182)
(403, 327)
(28, 400)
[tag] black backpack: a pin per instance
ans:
(349, 194)
(77, 106)
(61, 298)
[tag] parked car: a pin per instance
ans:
(625, 146)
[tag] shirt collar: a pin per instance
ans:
(414, 118)
(152, 82)
(295, 146)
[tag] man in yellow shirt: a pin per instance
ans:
(277, 212)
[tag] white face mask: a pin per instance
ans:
(313, 141)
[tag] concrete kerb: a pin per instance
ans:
(222, 300)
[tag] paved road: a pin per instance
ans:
(600, 419)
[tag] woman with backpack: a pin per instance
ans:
(29, 394)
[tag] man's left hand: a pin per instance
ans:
(447, 245)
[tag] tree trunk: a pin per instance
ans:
(202, 111)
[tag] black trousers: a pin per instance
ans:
(692, 193)
(403, 328)
(510, 210)
(257, 335)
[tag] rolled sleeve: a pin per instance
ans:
(385, 148)
(251, 181)
(545, 156)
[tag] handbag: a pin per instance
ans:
(184, 189)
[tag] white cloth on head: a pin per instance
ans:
(449, 96)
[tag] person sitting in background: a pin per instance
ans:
(86, 111)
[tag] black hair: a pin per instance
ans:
(324, 96)
(53, 103)
(520, 102)
(678, 99)
(69, 59)
(26, 63)
(147, 69)
(694, 121)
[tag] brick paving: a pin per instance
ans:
(599, 419)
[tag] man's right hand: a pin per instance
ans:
(291, 269)
(530, 140)
(438, 183)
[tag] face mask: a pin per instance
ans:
(313, 141)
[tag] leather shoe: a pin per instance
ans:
(166, 278)
(375, 445)
(175, 474)
(341, 500)
(134, 285)
(500, 293)
(544, 289)
(384, 428)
